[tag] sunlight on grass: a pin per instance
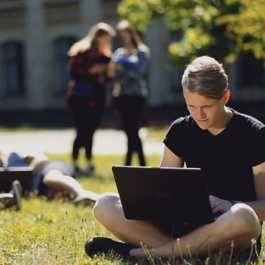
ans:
(54, 232)
(45, 233)
(157, 133)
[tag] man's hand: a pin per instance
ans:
(219, 205)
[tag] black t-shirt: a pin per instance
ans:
(227, 158)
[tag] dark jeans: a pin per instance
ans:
(130, 109)
(87, 113)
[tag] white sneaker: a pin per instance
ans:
(13, 198)
(86, 198)
(88, 170)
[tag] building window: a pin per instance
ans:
(12, 83)
(61, 77)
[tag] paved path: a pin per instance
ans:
(106, 141)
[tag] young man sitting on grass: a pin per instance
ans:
(230, 149)
(50, 177)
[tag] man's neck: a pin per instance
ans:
(227, 116)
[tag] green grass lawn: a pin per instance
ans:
(54, 232)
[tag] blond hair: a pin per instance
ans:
(89, 41)
(205, 76)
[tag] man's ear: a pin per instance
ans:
(227, 95)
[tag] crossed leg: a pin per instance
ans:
(237, 227)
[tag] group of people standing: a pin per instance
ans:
(93, 65)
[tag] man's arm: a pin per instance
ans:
(35, 160)
(221, 205)
(259, 181)
(169, 159)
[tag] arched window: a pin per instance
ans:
(12, 76)
(61, 76)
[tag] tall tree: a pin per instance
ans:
(218, 28)
(247, 26)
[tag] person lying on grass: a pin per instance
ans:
(50, 177)
(229, 147)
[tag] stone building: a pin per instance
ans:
(36, 34)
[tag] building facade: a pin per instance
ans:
(35, 36)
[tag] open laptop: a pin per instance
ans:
(23, 174)
(175, 196)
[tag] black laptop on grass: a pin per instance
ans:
(8, 175)
(177, 196)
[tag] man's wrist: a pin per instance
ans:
(233, 202)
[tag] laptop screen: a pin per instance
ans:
(177, 196)
(23, 174)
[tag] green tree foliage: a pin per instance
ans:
(219, 28)
(247, 27)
